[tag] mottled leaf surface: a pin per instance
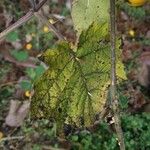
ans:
(73, 89)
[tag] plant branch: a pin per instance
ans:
(12, 138)
(17, 24)
(22, 20)
(49, 25)
(39, 6)
(33, 12)
(114, 100)
(8, 84)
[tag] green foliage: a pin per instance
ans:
(136, 132)
(103, 138)
(136, 12)
(73, 89)
(40, 39)
(34, 73)
(26, 85)
(6, 92)
(12, 8)
(37, 147)
(123, 101)
(20, 55)
(85, 12)
(13, 36)
(45, 129)
(4, 70)
(145, 41)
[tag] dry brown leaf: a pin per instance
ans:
(144, 71)
(17, 113)
(137, 99)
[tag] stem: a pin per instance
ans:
(17, 24)
(8, 84)
(22, 20)
(49, 25)
(114, 99)
(12, 138)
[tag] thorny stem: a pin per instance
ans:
(114, 100)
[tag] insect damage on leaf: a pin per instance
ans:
(73, 89)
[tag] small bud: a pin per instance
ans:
(33, 34)
(45, 29)
(28, 46)
(51, 21)
(27, 93)
(132, 33)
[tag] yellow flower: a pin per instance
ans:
(132, 33)
(28, 46)
(137, 2)
(45, 29)
(27, 93)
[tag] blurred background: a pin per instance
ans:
(20, 66)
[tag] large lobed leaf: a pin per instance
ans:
(85, 12)
(73, 89)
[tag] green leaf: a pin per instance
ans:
(20, 55)
(85, 12)
(26, 85)
(74, 138)
(31, 73)
(5, 92)
(36, 72)
(39, 70)
(123, 101)
(73, 89)
(13, 36)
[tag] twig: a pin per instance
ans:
(49, 25)
(32, 3)
(28, 16)
(46, 147)
(8, 84)
(114, 100)
(12, 138)
(39, 6)
(17, 24)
